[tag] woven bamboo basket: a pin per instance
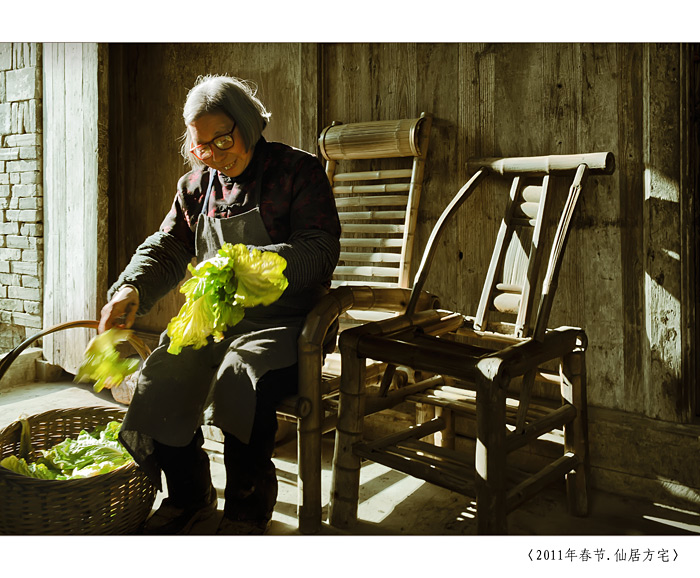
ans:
(114, 503)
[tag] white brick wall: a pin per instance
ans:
(21, 193)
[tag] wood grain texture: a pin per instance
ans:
(621, 277)
(72, 197)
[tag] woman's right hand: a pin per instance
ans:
(124, 303)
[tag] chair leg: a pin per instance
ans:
(445, 438)
(346, 465)
(309, 471)
(573, 391)
(491, 514)
(424, 413)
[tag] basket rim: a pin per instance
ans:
(11, 476)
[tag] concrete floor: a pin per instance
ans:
(392, 503)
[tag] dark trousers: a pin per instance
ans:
(251, 482)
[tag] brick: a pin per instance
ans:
(32, 307)
(31, 229)
(14, 204)
(25, 268)
(27, 320)
(12, 215)
(22, 166)
(28, 153)
(17, 242)
(9, 154)
(5, 55)
(30, 216)
(32, 120)
(26, 190)
(30, 178)
(5, 118)
(12, 304)
(9, 228)
(10, 279)
(5, 190)
(33, 203)
(4, 266)
(10, 254)
(3, 292)
(26, 293)
(29, 255)
(21, 84)
(23, 140)
(14, 178)
(28, 281)
(4, 178)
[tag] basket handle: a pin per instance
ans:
(139, 346)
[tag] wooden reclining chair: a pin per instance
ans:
(482, 368)
(378, 206)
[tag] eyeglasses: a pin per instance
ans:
(223, 142)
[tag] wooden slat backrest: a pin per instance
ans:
(514, 270)
(515, 262)
(378, 206)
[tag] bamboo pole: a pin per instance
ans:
(573, 389)
(429, 253)
(602, 163)
(373, 175)
(490, 456)
(532, 485)
(346, 464)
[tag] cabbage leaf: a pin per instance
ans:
(90, 454)
(103, 364)
(220, 290)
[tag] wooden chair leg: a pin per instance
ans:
(491, 513)
(445, 438)
(346, 465)
(424, 413)
(309, 433)
(573, 390)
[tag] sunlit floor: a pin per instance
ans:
(392, 503)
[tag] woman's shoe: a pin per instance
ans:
(169, 519)
(230, 527)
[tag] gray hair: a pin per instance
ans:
(234, 97)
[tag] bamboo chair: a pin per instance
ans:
(484, 367)
(378, 207)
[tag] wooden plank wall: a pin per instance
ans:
(149, 84)
(75, 189)
(623, 270)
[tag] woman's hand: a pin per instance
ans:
(124, 303)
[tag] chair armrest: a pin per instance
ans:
(529, 354)
(322, 317)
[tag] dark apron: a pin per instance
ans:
(214, 385)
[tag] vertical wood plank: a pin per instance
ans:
(70, 121)
(479, 221)
(629, 179)
(663, 383)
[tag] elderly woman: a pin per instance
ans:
(241, 189)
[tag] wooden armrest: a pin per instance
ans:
(327, 311)
(529, 354)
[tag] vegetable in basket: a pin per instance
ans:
(220, 290)
(90, 454)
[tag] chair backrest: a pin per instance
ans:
(508, 296)
(377, 197)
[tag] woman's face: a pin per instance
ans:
(231, 162)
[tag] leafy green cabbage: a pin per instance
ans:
(88, 455)
(220, 290)
(103, 364)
